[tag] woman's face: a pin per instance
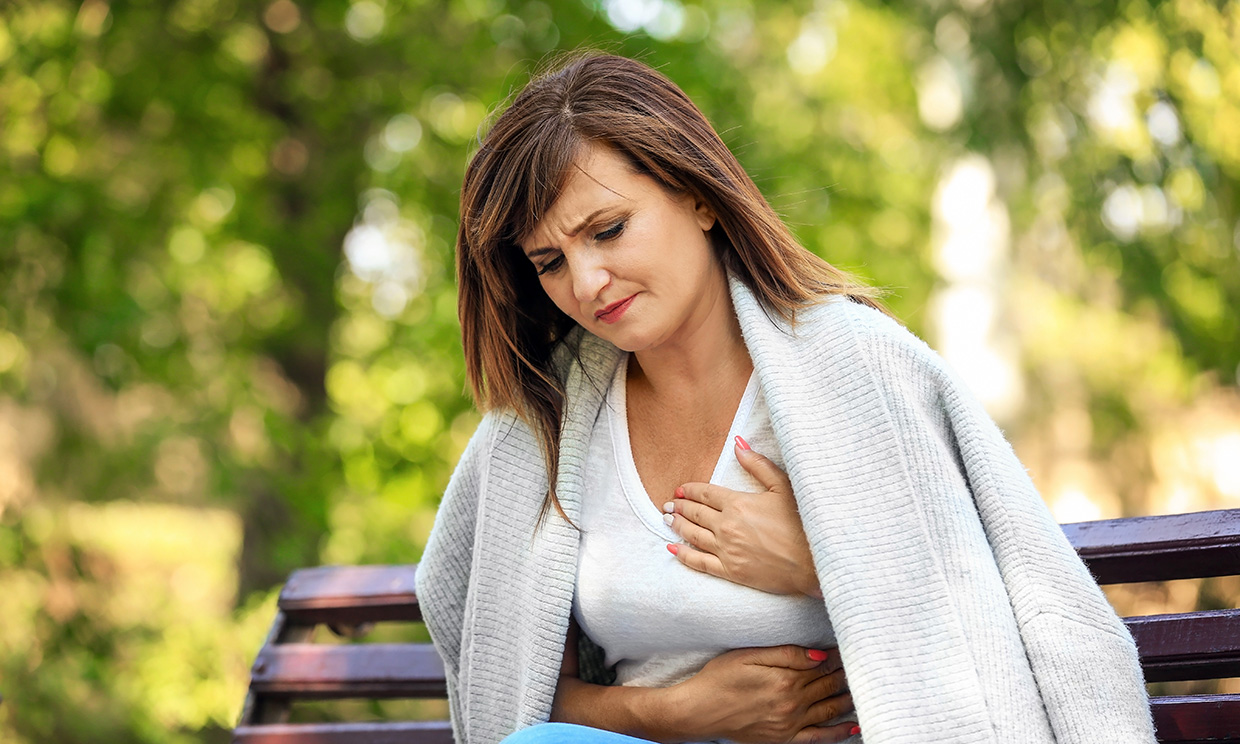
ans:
(623, 257)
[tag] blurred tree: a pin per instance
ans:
(1106, 127)
(228, 341)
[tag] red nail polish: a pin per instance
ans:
(740, 442)
(680, 492)
(854, 730)
(673, 548)
(816, 654)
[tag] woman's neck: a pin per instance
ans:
(710, 357)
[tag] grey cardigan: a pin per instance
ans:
(961, 611)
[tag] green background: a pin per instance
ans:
(228, 338)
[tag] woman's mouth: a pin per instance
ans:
(612, 313)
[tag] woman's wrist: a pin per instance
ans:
(671, 714)
(661, 714)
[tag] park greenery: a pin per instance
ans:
(228, 336)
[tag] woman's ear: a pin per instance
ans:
(705, 215)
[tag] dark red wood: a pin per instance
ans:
(1200, 645)
(1161, 548)
(1192, 645)
(375, 732)
(351, 595)
(252, 709)
(1196, 718)
(370, 670)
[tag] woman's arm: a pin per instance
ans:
(754, 539)
(778, 694)
(647, 713)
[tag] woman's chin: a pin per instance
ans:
(620, 339)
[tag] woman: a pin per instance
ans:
(625, 293)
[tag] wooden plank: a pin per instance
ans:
(1192, 645)
(1196, 718)
(1160, 548)
(1172, 647)
(252, 708)
(371, 732)
(361, 670)
(1178, 720)
(351, 595)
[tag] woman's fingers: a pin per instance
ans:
(699, 560)
(825, 710)
(826, 686)
(788, 656)
(699, 514)
(699, 537)
(710, 494)
(762, 468)
(833, 661)
(759, 537)
(823, 734)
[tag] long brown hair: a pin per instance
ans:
(509, 326)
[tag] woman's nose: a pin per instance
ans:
(589, 279)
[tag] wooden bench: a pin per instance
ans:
(349, 599)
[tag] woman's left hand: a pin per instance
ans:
(755, 539)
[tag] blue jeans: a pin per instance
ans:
(568, 733)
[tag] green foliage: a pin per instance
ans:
(228, 340)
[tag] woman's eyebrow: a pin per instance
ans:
(580, 226)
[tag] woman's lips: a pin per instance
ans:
(613, 313)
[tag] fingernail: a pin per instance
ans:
(673, 548)
(740, 442)
(680, 492)
(669, 507)
(854, 730)
(668, 519)
(817, 655)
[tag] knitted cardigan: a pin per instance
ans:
(961, 611)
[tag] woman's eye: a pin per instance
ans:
(551, 266)
(611, 232)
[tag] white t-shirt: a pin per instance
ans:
(658, 621)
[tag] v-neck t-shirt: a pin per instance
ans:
(658, 621)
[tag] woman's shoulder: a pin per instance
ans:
(496, 425)
(866, 321)
(831, 334)
(882, 339)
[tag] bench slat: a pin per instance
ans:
(378, 670)
(1193, 718)
(351, 595)
(1160, 548)
(372, 732)
(1191, 645)
(1188, 718)
(1194, 645)
(1116, 550)
(1198, 645)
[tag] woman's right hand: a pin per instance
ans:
(752, 539)
(771, 695)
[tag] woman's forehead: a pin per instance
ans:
(599, 179)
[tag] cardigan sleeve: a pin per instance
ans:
(1083, 659)
(443, 574)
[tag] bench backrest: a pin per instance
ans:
(1189, 646)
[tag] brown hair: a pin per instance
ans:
(508, 324)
